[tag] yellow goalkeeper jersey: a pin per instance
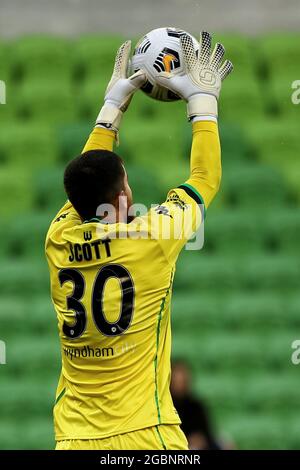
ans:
(111, 286)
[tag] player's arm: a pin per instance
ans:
(200, 88)
(118, 95)
(205, 162)
(117, 98)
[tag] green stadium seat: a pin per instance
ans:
(252, 272)
(263, 311)
(41, 57)
(195, 311)
(207, 272)
(237, 311)
(30, 145)
(150, 142)
(48, 191)
(234, 349)
(9, 112)
(281, 90)
(89, 98)
(15, 192)
(255, 186)
(277, 143)
(18, 391)
(281, 52)
(5, 55)
(42, 353)
(236, 148)
(257, 431)
(238, 351)
(271, 273)
(71, 139)
(94, 57)
(27, 235)
(38, 311)
(270, 392)
(283, 230)
(257, 390)
(257, 393)
(292, 434)
(5, 237)
(145, 108)
(27, 277)
(47, 101)
(276, 139)
(292, 173)
(221, 391)
(238, 228)
(9, 435)
(241, 101)
(32, 433)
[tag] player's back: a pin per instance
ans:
(112, 295)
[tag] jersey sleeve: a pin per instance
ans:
(205, 161)
(99, 139)
(181, 216)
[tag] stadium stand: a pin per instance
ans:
(236, 302)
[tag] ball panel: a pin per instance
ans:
(159, 51)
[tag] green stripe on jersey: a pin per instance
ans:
(157, 344)
(60, 396)
(197, 194)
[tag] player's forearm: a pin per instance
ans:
(100, 139)
(205, 164)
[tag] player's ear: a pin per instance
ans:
(120, 199)
(122, 206)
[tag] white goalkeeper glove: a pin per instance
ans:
(120, 90)
(201, 84)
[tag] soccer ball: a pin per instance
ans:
(159, 51)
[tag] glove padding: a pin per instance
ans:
(204, 72)
(120, 90)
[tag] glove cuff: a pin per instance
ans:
(202, 104)
(110, 117)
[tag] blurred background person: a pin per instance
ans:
(193, 411)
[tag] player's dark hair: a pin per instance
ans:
(93, 178)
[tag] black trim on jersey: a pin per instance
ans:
(191, 193)
(94, 219)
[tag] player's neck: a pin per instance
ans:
(110, 218)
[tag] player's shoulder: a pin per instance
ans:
(65, 218)
(183, 195)
(180, 202)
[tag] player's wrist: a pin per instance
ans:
(110, 116)
(202, 105)
(204, 118)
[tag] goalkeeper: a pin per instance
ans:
(112, 292)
